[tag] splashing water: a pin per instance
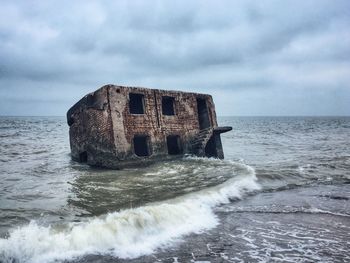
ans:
(53, 209)
(128, 233)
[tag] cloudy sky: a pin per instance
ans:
(254, 57)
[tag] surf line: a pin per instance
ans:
(128, 233)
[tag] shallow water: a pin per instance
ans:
(280, 176)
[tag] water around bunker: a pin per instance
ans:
(280, 194)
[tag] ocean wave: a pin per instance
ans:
(283, 210)
(128, 233)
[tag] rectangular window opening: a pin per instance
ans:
(141, 145)
(136, 103)
(168, 105)
(203, 115)
(174, 144)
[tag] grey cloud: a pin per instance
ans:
(64, 47)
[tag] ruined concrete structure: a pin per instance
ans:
(118, 126)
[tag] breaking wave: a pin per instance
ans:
(128, 233)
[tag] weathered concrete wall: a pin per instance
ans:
(90, 130)
(103, 127)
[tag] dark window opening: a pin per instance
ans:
(136, 103)
(83, 157)
(141, 145)
(174, 144)
(168, 105)
(210, 148)
(203, 116)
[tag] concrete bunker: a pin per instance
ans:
(118, 126)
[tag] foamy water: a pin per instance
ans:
(192, 209)
(129, 233)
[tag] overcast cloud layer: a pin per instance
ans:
(254, 57)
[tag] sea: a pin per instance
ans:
(282, 194)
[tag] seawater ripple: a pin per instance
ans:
(128, 233)
(302, 165)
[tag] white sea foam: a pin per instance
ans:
(129, 233)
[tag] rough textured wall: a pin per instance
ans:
(90, 128)
(153, 123)
(102, 126)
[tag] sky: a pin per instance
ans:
(254, 57)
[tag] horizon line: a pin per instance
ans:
(217, 115)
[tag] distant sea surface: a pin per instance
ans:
(282, 194)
